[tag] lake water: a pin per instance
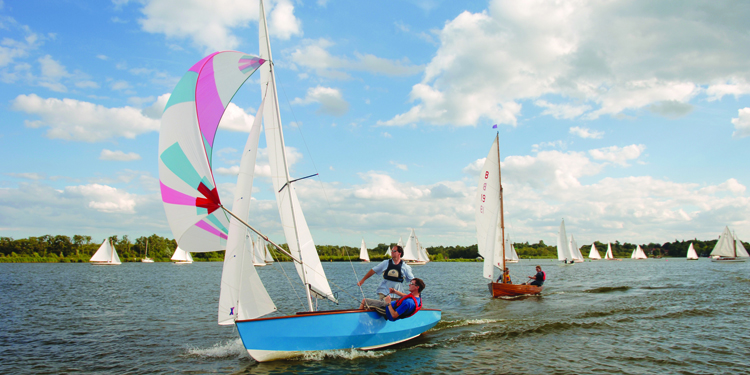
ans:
(631, 317)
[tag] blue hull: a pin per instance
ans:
(269, 339)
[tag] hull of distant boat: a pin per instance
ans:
(147, 260)
(270, 339)
(692, 258)
(105, 263)
(259, 264)
(511, 290)
(416, 262)
(729, 260)
(183, 262)
(267, 262)
(365, 260)
(511, 261)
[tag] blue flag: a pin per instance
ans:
(494, 126)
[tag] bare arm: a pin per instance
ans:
(394, 291)
(394, 314)
(367, 276)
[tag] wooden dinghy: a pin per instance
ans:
(512, 290)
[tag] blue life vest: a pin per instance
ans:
(393, 272)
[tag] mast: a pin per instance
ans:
(288, 184)
(502, 219)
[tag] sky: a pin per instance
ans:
(627, 119)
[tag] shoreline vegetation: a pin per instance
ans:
(79, 249)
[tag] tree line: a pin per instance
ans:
(81, 248)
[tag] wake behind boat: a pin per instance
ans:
(199, 220)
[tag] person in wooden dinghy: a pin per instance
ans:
(539, 278)
(505, 277)
(405, 307)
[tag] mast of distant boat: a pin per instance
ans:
(502, 219)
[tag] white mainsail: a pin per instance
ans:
(487, 212)
(259, 258)
(298, 236)
(411, 250)
(363, 255)
(268, 258)
(638, 253)
(563, 246)
(594, 254)
(181, 256)
(243, 295)
(106, 254)
(510, 255)
(575, 252)
(423, 256)
(691, 253)
(388, 252)
(609, 255)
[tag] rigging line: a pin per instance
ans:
(315, 167)
(291, 283)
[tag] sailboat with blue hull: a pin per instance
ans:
(200, 222)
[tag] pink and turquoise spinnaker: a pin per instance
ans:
(186, 143)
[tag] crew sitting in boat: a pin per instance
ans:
(505, 277)
(538, 278)
(405, 307)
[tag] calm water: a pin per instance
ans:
(633, 317)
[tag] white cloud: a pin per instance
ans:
(330, 99)
(208, 24)
(552, 144)
(399, 166)
(742, 123)
(282, 23)
(236, 119)
(383, 187)
(562, 111)
(118, 155)
(592, 58)
(28, 176)
(314, 55)
(586, 132)
(75, 120)
(617, 155)
(104, 198)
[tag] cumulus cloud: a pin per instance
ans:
(742, 123)
(381, 187)
(282, 23)
(331, 101)
(589, 58)
(617, 155)
(118, 155)
(314, 55)
(586, 132)
(104, 198)
(76, 120)
(236, 119)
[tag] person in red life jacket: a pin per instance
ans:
(538, 278)
(505, 277)
(405, 307)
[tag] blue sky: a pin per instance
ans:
(629, 119)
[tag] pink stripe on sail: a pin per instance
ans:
(208, 228)
(208, 103)
(169, 195)
(197, 67)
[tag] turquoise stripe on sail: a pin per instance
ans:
(212, 218)
(178, 163)
(184, 91)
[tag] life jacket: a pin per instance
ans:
(393, 272)
(544, 276)
(417, 304)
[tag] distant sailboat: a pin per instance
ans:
(594, 254)
(575, 252)
(259, 258)
(638, 253)
(563, 246)
(414, 255)
(363, 255)
(146, 259)
(106, 255)
(608, 255)
(490, 223)
(268, 258)
(511, 256)
(691, 253)
(729, 248)
(181, 256)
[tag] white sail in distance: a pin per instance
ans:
(106, 254)
(363, 255)
(487, 210)
(563, 247)
(691, 253)
(594, 254)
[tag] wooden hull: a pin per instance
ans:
(728, 260)
(512, 290)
